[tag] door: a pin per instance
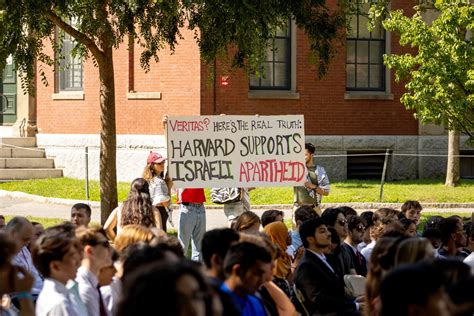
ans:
(8, 94)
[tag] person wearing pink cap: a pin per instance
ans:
(160, 186)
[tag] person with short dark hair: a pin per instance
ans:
(302, 214)
(81, 214)
(356, 230)
(368, 217)
(470, 239)
(414, 290)
(322, 288)
(167, 290)
(434, 236)
(271, 216)
(409, 226)
(57, 257)
(348, 211)
(412, 211)
(453, 237)
(433, 222)
(215, 244)
(246, 266)
(316, 185)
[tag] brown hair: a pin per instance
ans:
(132, 234)
(53, 245)
(88, 235)
(245, 221)
(137, 209)
(413, 250)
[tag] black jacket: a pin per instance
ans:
(322, 289)
(360, 264)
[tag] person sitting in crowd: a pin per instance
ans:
(38, 230)
(96, 255)
(215, 244)
(248, 222)
(322, 288)
(409, 226)
(356, 230)
(470, 237)
(57, 256)
(81, 214)
(21, 231)
(302, 214)
(453, 237)
(170, 289)
(137, 209)
(412, 211)
(246, 265)
(14, 279)
(414, 290)
(277, 232)
(368, 217)
(413, 250)
(271, 216)
(434, 236)
(334, 217)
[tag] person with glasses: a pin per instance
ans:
(334, 217)
(356, 230)
(316, 185)
(97, 255)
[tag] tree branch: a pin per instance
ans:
(79, 36)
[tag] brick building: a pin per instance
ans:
(354, 109)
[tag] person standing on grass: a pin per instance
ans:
(316, 185)
(81, 214)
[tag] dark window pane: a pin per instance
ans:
(350, 76)
(362, 51)
(281, 78)
(376, 52)
(254, 81)
(350, 54)
(362, 76)
(280, 50)
(375, 76)
(267, 75)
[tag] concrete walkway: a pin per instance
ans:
(30, 205)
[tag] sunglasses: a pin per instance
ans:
(360, 228)
(342, 223)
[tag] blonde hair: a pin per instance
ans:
(132, 234)
(413, 250)
(148, 172)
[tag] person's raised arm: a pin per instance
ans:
(111, 223)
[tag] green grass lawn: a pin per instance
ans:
(427, 191)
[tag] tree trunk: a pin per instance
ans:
(108, 164)
(453, 170)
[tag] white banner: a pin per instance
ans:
(236, 151)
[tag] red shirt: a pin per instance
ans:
(191, 196)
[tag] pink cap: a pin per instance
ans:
(155, 158)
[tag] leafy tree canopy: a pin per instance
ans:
(219, 24)
(439, 72)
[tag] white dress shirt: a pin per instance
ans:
(55, 300)
(24, 260)
(88, 282)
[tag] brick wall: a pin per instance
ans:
(321, 101)
(176, 76)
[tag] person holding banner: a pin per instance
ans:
(192, 220)
(316, 185)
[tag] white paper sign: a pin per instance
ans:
(236, 151)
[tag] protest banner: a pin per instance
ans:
(236, 151)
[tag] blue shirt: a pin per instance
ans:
(248, 305)
(296, 243)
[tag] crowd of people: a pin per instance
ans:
(331, 262)
(256, 267)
